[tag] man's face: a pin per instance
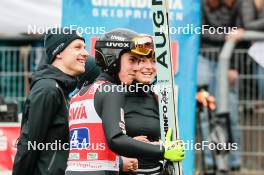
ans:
(147, 70)
(128, 67)
(73, 58)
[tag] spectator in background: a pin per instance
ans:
(219, 13)
(251, 17)
(45, 115)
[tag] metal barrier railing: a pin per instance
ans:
(224, 60)
(252, 125)
(16, 64)
(250, 101)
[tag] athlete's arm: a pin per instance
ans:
(108, 106)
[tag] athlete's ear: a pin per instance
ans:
(58, 56)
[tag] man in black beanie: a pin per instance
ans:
(43, 143)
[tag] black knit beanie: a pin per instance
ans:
(57, 39)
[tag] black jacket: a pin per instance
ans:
(45, 120)
(142, 118)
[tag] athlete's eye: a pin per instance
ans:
(132, 59)
(77, 47)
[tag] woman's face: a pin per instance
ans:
(146, 70)
(128, 67)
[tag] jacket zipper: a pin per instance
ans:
(67, 103)
(52, 160)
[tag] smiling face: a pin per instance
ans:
(72, 59)
(128, 67)
(146, 71)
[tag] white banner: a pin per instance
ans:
(16, 16)
(257, 53)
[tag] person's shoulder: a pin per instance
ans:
(46, 86)
(45, 90)
(50, 83)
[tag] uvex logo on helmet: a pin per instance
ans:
(118, 44)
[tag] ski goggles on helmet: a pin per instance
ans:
(141, 45)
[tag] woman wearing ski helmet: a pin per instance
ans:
(97, 125)
(143, 123)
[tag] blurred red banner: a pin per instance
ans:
(9, 132)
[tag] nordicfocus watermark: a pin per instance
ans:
(189, 145)
(88, 30)
(205, 145)
(59, 145)
(190, 29)
(138, 87)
